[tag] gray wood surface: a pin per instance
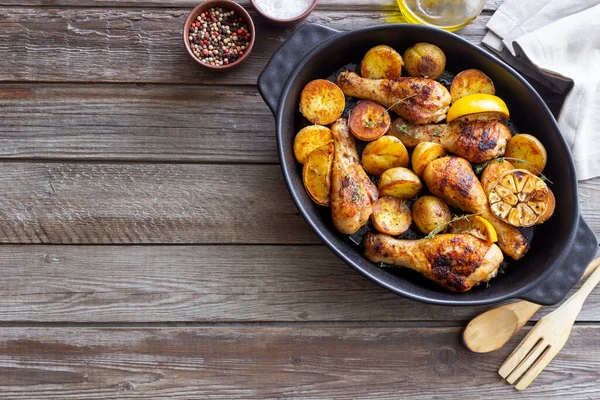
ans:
(121, 203)
(128, 122)
(276, 362)
(142, 46)
(150, 249)
(147, 203)
(365, 5)
(225, 283)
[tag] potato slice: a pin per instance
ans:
(384, 153)
(369, 121)
(316, 174)
(471, 81)
(528, 153)
(322, 102)
(381, 62)
(308, 139)
(391, 215)
(520, 198)
(428, 212)
(424, 153)
(492, 172)
(399, 182)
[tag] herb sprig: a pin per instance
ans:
(443, 226)
(479, 167)
(372, 124)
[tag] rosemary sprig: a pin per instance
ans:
(372, 124)
(520, 161)
(480, 167)
(443, 226)
(436, 131)
(402, 127)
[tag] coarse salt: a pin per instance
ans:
(283, 9)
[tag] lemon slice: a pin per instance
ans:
(475, 226)
(474, 106)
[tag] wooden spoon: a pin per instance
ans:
(492, 329)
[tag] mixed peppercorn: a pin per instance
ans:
(219, 37)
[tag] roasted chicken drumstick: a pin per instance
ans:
(456, 261)
(475, 141)
(352, 192)
(418, 100)
(452, 179)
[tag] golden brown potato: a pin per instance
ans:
(424, 153)
(381, 62)
(316, 174)
(428, 212)
(492, 173)
(399, 182)
(308, 139)
(528, 153)
(471, 81)
(384, 153)
(424, 60)
(391, 215)
(369, 121)
(482, 116)
(322, 102)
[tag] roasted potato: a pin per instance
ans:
(322, 102)
(526, 152)
(381, 62)
(424, 60)
(428, 212)
(384, 153)
(424, 153)
(492, 173)
(391, 215)
(369, 121)
(316, 174)
(471, 81)
(308, 139)
(399, 182)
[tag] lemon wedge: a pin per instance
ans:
(475, 226)
(478, 106)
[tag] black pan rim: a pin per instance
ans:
(325, 237)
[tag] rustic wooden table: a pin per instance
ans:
(150, 248)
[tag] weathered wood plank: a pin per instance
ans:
(127, 45)
(132, 284)
(140, 123)
(132, 122)
(101, 203)
(147, 203)
(490, 5)
(299, 362)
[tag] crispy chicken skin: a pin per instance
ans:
(352, 192)
(452, 179)
(418, 100)
(475, 141)
(455, 261)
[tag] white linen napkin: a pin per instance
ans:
(557, 43)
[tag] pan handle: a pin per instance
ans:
(554, 288)
(275, 75)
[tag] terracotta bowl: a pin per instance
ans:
(227, 5)
(285, 22)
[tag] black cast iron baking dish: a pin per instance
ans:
(560, 249)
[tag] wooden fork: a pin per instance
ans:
(546, 339)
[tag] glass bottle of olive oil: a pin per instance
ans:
(450, 15)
